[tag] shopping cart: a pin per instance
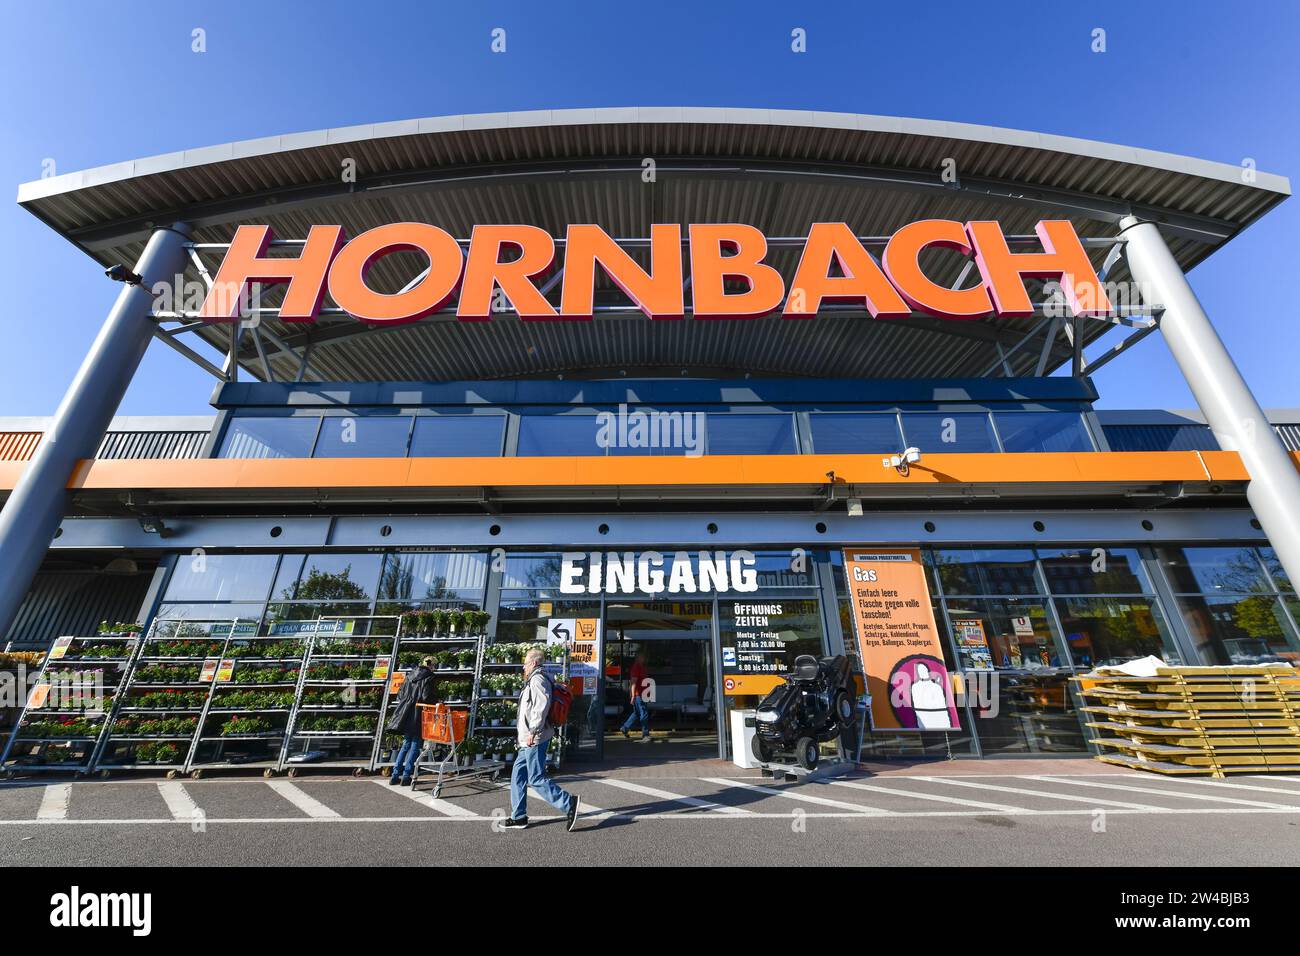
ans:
(444, 730)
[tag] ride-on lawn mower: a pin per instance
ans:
(815, 704)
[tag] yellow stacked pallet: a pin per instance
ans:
(1198, 720)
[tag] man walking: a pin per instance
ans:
(640, 710)
(535, 732)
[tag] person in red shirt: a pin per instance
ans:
(640, 711)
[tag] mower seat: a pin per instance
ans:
(806, 668)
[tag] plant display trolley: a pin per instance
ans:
(62, 723)
(165, 696)
(1198, 720)
(336, 717)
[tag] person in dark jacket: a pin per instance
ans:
(417, 689)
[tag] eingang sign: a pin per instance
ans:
(835, 267)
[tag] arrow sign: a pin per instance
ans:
(560, 631)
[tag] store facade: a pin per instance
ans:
(674, 405)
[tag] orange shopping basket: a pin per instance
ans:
(441, 724)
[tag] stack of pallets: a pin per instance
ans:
(1198, 720)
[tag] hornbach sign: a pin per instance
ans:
(729, 278)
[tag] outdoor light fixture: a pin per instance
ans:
(901, 463)
(121, 273)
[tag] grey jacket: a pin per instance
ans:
(534, 706)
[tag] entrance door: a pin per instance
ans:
(674, 642)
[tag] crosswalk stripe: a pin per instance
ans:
(673, 797)
(426, 799)
(796, 795)
(54, 802)
(1095, 801)
(301, 799)
(587, 809)
(1281, 791)
(1160, 793)
(895, 791)
(178, 801)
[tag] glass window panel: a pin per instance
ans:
(251, 437)
(336, 577)
(531, 571)
(949, 431)
(363, 436)
(1089, 570)
(1241, 629)
(1275, 570)
(541, 435)
(1212, 570)
(987, 571)
(1114, 630)
(730, 434)
(209, 612)
(458, 436)
(221, 577)
(850, 433)
(432, 576)
(1042, 431)
(1031, 708)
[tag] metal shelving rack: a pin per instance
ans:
(40, 746)
(108, 756)
(425, 643)
(212, 751)
(321, 650)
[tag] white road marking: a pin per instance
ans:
(894, 791)
(1161, 793)
(796, 795)
(1281, 791)
(54, 802)
(1095, 801)
(424, 798)
(587, 808)
(181, 805)
(646, 817)
(673, 797)
(301, 799)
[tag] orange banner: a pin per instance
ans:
(902, 655)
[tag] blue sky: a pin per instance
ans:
(89, 84)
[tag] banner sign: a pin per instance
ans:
(835, 266)
(902, 655)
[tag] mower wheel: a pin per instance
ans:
(758, 747)
(806, 752)
(843, 708)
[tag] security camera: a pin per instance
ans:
(120, 273)
(901, 463)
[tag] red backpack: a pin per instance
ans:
(561, 699)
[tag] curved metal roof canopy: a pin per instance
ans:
(780, 170)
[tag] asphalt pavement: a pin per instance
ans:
(922, 819)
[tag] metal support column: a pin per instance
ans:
(1234, 416)
(34, 510)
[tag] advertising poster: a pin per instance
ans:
(380, 671)
(39, 695)
(972, 643)
(226, 671)
(584, 654)
(209, 670)
(60, 648)
(907, 673)
(396, 682)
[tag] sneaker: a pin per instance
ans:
(626, 735)
(393, 781)
(645, 739)
(573, 814)
(406, 781)
(515, 824)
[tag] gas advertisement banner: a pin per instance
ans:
(902, 655)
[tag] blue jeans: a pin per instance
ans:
(410, 749)
(640, 714)
(530, 771)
